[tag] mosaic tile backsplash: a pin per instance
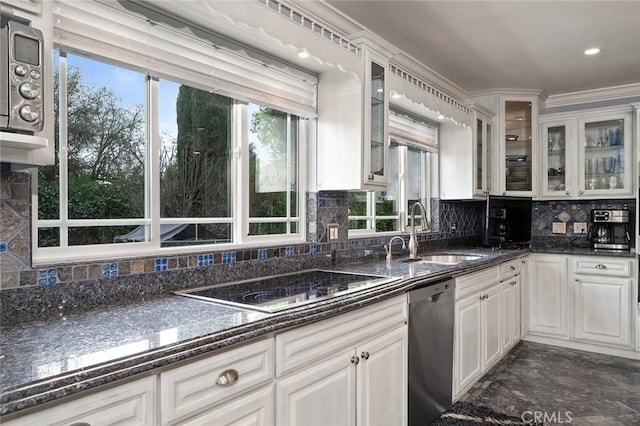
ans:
(544, 213)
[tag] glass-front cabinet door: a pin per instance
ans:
(376, 132)
(556, 158)
(482, 155)
(518, 145)
(605, 161)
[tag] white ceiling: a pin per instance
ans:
(537, 45)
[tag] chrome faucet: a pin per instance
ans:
(388, 246)
(413, 241)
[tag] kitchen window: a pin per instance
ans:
(389, 211)
(147, 164)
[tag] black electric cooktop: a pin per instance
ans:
(277, 293)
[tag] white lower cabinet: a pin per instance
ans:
(363, 382)
(491, 315)
(548, 292)
(196, 390)
(128, 404)
(477, 344)
(583, 300)
(322, 394)
(487, 321)
(510, 312)
(468, 342)
(253, 409)
(381, 379)
(602, 306)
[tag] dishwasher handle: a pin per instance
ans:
(432, 292)
(435, 297)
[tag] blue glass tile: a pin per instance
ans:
(113, 274)
(105, 274)
(42, 273)
(289, 251)
(352, 244)
(113, 267)
(3, 247)
(42, 281)
(105, 267)
(52, 280)
(367, 244)
(262, 254)
(51, 272)
(313, 248)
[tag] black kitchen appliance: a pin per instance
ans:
(610, 229)
(507, 221)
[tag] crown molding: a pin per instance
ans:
(595, 95)
(341, 23)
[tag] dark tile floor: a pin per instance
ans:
(566, 384)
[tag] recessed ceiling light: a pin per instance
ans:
(592, 51)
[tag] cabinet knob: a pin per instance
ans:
(601, 266)
(355, 360)
(581, 192)
(513, 268)
(228, 377)
(576, 279)
(568, 192)
(504, 193)
(365, 355)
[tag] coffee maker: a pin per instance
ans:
(609, 229)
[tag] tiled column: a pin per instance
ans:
(15, 230)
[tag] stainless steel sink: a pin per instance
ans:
(445, 259)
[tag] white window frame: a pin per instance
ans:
(240, 170)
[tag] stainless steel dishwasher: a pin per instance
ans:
(430, 351)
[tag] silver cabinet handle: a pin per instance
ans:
(355, 360)
(601, 266)
(513, 268)
(365, 355)
(228, 377)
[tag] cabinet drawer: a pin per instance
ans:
(186, 390)
(298, 347)
(468, 284)
(510, 269)
(602, 266)
(132, 403)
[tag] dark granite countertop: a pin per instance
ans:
(584, 251)
(47, 359)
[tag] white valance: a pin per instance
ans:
(176, 53)
(406, 130)
(434, 103)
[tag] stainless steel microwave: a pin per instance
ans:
(21, 77)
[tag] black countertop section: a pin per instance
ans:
(47, 359)
(584, 251)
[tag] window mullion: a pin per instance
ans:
(240, 169)
(63, 151)
(288, 177)
(152, 166)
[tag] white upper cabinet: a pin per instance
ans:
(518, 137)
(353, 123)
(465, 157)
(510, 162)
(587, 154)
